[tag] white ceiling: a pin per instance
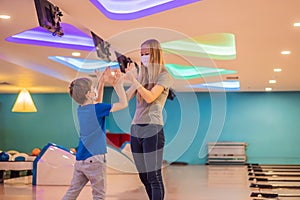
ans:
(262, 29)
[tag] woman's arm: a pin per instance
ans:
(131, 71)
(148, 95)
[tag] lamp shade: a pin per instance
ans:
(24, 102)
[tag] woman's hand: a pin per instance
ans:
(131, 72)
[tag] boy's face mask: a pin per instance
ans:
(96, 93)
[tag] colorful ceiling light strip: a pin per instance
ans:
(72, 39)
(190, 72)
(84, 65)
(222, 85)
(220, 46)
(128, 9)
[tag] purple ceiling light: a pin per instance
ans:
(128, 9)
(72, 39)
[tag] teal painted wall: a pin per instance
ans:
(267, 122)
(52, 123)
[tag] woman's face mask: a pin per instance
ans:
(145, 60)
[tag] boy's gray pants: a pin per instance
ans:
(92, 169)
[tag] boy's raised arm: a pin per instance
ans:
(117, 83)
(100, 85)
(123, 103)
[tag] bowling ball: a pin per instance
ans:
(35, 151)
(4, 156)
(73, 150)
(20, 158)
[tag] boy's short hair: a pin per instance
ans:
(79, 88)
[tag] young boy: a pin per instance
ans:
(91, 112)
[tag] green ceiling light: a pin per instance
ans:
(219, 46)
(190, 72)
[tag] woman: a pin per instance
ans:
(147, 136)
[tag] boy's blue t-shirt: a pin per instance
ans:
(91, 119)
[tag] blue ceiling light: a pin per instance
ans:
(84, 65)
(232, 85)
(72, 39)
(128, 9)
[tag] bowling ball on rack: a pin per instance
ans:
(73, 150)
(20, 158)
(36, 151)
(4, 156)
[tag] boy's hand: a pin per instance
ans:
(114, 77)
(102, 76)
(107, 72)
(118, 78)
(99, 75)
(107, 75)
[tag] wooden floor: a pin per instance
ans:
(190, 182)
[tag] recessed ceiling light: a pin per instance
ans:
(277, 70)
(297, 24)
(285, 52)
(76, 54)
(272, 81)
(268, 89)
(4, 17)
